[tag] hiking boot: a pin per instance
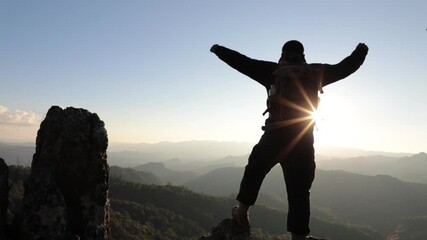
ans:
(242, 219)
(313, 238)
(295, 236)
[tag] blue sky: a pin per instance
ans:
(145, 67)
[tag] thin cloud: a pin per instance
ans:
(18, 117)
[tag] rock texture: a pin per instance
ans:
(66, 195)
(44, 208)
(4, 194)
(228, 229)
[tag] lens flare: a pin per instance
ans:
(315, 115)
(309, 109)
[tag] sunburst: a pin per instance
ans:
(307, 108)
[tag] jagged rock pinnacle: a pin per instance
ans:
(66, 194)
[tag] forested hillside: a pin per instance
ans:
(144, 212)
(381, 202)
(205, 211)
(129, 174)
(145, 206)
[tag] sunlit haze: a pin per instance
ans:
(145, 67)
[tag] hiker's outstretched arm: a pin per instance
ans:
(260, 71)
(333, 73)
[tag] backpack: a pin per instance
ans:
(294, 95)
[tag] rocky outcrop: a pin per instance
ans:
(228, 229)
(4, 194)
(45, 210)
(66, 195)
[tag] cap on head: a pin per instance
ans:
(293, 47)
(293, 52)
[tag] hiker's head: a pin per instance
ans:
(293, 52)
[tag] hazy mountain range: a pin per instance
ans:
(188, 150)
(380, 202)
(200, 157)
(378, 191)
(409, 168)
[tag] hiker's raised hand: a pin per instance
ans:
(214, 47)
(362, 47)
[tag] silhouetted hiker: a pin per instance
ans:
(292, 86)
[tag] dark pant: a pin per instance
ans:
(292, 147)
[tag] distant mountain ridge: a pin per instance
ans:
(205, 150)
(381, 201)
(204, 156)
(165, 174)
(133, 154)
(17, 154)
(409, 168)
(191, 150)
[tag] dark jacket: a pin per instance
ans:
(261, 71)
